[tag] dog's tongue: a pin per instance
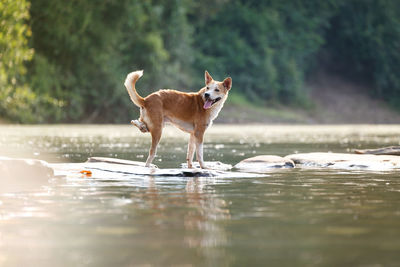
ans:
(207, 104)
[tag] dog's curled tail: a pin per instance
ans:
(129, 83)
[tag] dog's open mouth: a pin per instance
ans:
(209, 102)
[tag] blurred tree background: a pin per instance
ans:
(65, 61)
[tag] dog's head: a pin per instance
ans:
(215, 91)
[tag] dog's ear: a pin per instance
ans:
(207, 77)
(227, 83)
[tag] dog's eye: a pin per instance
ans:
(216, 90)
(208, 87)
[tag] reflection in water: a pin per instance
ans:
(69, 217)
(288, 218)
(207, 209)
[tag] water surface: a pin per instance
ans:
(285, 218)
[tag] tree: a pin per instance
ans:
(15, 97)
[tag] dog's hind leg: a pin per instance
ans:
(190, 151)
(155, 139)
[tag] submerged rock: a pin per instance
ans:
(264, 163)
(346, 161)
(23, 174)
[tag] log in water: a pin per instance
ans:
(391, 150)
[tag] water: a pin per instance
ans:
(285, 218)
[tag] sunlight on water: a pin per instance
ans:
(289, 217)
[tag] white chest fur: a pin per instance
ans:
(215, 110)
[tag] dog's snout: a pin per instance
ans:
(207, 95)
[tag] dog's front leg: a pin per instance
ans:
(190, 151)
(199, 149)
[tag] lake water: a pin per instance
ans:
(296, 217)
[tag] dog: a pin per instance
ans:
(191, 112)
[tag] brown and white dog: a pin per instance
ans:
(191, 112)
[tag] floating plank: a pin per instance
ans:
(118, 161)
(391, 150)
(110, 167)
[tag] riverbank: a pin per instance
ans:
(333, 99)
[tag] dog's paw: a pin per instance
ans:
(142, 126)
(143, 129)
(190, 166)
(151, 166)
(135, 122)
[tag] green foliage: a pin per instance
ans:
(88, 47)
(76, 54)
(264, 45)
(18, 102)
(365, 42)
(73, 66)
(15, 97)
